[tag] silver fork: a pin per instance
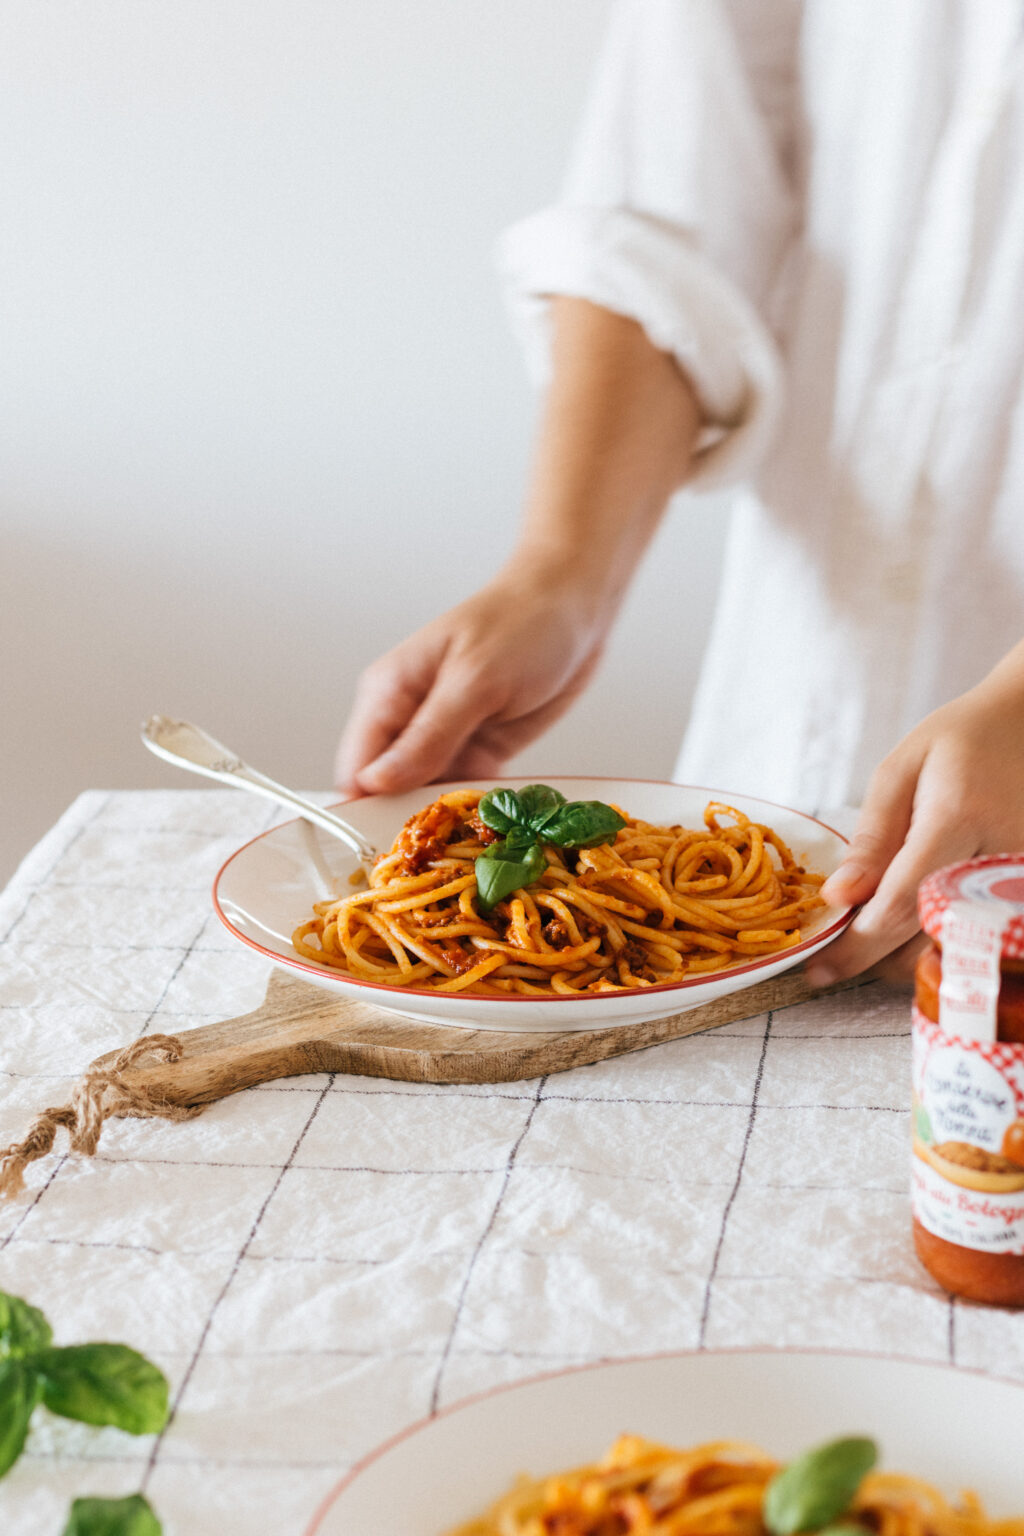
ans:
(185, 745)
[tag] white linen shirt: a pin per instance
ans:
(818, 209)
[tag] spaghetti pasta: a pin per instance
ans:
(654, 906)
(715, 1489)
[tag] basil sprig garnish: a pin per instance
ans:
(20, 1391)
(818, 1487)
(104, 1384)
(23, 1329)
(580, 824)
(97, 1383)
(503, 869)
(526, 818)
(112, 1517)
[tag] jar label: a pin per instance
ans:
(972, 942)
(968, 1124)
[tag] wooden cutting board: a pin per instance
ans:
(300, 1028)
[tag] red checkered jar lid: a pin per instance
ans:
(996, 879)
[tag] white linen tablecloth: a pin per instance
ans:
(320, 1262)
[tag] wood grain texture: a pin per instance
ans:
(299, 1028)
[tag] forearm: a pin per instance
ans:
(480, 681)
(617, 438)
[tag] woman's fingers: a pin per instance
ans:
(496, 740)
(881, 828)
(938, 835)
(435, 736)
(898, 968)
(461, 695)
(889, 919)
(387, 697)
(470, 722)
(950, 791)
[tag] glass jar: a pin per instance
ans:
(968, 1100)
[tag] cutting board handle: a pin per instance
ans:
(300, 1028)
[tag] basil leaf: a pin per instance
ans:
(104, 1384)
(112, 1517)
(501, 810)
(518, 843)
(497, 876)
(19, 1393)
(538, 801)
(23, 1329)
(818, 1486)
(580, 824)
(845, 1529)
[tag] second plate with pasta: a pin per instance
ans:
(272, 886)
(954, 1429)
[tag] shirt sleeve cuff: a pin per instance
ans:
(652, 272)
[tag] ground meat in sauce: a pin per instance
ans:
(421, 855)
(484, 833)
(635, 956)
(426, 836)
(556, 933)
(423, 838)
(499, 918)
(458, 959)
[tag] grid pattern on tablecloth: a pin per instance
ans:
(319, 1262)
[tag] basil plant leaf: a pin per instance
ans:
(518, 843)
(500, 809)
(104, 1384)
(497, 876)
(23, 1329)
(112, 1517)
(538, 801)
(581, 824)
(844, 1529)
(817, 1487)
(20, 1390)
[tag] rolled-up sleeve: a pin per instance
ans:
(677, 210)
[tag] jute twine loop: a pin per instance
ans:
(101, 1093)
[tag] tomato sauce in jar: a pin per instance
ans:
(968, 1103)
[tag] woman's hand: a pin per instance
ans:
(472, 687)
(952, 789)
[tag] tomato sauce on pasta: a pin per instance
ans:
(711, 1490)
(654, 906)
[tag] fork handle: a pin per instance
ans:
(240, 773)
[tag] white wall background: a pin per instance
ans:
(260, 413)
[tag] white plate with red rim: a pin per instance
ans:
(268, 887)
(953, 1428)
